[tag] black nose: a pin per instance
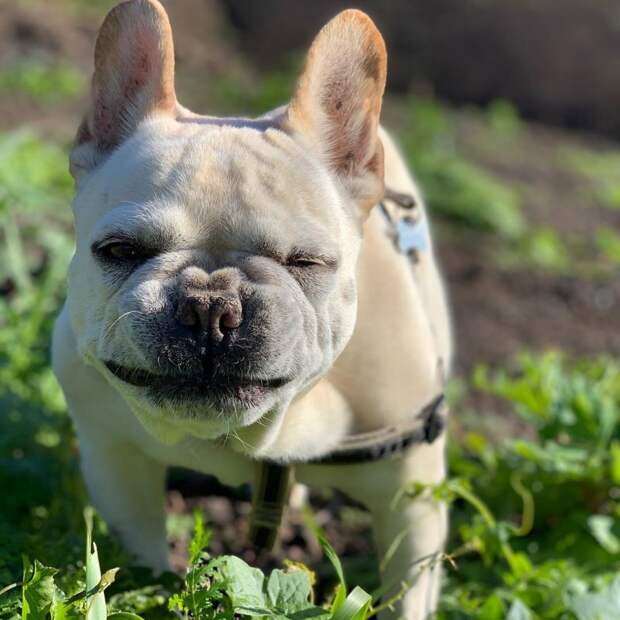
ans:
(210, 304)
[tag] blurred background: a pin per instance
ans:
(508, 112)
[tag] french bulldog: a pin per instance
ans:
(235, 297)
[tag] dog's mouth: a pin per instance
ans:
(219, 389)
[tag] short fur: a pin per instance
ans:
(261, 258)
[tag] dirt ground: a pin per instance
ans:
(497, 312)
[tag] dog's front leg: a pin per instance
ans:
(409, 534)
(127, 488)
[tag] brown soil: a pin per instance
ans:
(499, 312)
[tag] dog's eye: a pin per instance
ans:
(304, 262)
(121, 251)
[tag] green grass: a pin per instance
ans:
(230, 95)
(503, 117)
(456, 190)
(541, 248)
(601, 169)
(42, 82)
(535, 521)
(608, 242)
(547, 513)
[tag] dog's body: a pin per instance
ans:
(155, 334)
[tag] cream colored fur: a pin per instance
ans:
(276, 175)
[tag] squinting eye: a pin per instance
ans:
(122, 251)
(304, 261)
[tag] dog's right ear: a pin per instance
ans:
(133, 79)
(337, 103)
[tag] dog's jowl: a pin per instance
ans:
(239, 294)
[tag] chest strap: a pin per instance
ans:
(274, 479)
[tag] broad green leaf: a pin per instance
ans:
(244, 584)
(288, 591)
(61, 610)
(139, 600)
(38, 591)
(58, 611)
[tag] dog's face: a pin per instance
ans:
(214, 274)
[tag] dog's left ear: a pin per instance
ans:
(133, 79)
(337, 102)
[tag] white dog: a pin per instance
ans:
(234, 298)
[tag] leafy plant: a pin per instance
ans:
(562, 553)
(41, 596)
(227, 587)
(215, 588)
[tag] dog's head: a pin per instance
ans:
(214, 275)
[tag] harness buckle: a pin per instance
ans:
(408, 229)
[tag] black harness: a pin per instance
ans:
(274, 479)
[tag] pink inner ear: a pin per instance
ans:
(114, 111)
(351, 133)
(139, 70)
(134, 73)
(139, 77)
(104, 124)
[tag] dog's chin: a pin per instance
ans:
(222, 393)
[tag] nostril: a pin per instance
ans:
(225, 316)
(187, 315)
(231, 318)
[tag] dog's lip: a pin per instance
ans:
(143, 378)
(133, 376)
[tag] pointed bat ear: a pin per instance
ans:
(337, 102)
(133, 79)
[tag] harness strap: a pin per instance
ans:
(390, 441)
(273, 483)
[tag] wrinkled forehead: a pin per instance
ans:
(215, 179)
